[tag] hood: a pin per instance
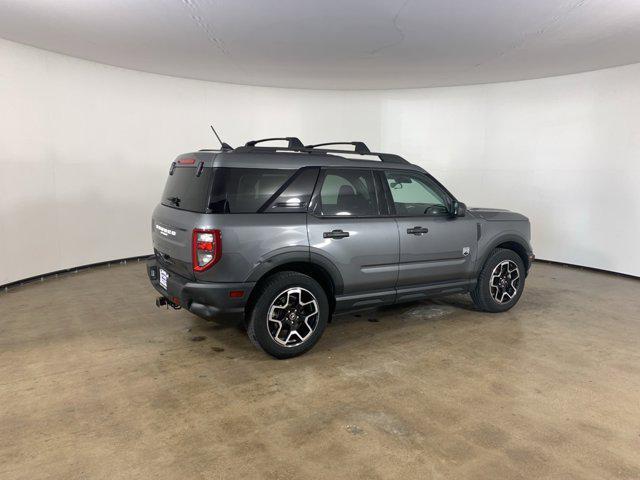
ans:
(496, 214)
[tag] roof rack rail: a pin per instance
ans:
(391, 158)
(384, 157)
(293, 142)
(295, 145)
(360, 147)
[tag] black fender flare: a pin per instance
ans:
(300, 256)
(331, 269)
(500, 239)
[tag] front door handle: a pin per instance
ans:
(335, 234)
(417, 231)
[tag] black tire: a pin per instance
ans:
(483, 294)
(260, 330)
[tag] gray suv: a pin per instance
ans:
(286, 236)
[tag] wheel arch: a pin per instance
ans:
(317, 267)
(515, 243)
(519, 249)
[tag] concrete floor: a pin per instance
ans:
(96, 382)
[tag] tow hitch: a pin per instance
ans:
(163, 301)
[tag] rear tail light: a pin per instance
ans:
(207, 249)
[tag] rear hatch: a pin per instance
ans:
(184, 200)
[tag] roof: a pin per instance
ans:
(288, 160)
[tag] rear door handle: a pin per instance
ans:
(417, 231)
(335, 234)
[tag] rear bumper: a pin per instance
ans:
(211, 301)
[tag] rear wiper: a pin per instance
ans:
(174, 200)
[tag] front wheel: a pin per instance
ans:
(289, 315)
(500, 283)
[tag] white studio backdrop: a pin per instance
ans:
(565, 151)
(85, 149)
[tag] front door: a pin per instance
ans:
(347, 230)
(435, 248)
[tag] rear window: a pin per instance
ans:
(186, 191)
(245, 190)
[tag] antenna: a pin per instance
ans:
(225, 146)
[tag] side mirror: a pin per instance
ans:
(459, 209)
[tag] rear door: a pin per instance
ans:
(347, 228)
(434, 248)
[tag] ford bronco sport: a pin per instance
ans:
(286, 236)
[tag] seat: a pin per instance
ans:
(345, 200)
(349, 201)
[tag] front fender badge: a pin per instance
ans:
(466, 251)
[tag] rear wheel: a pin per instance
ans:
(289, 315)
(500, 283)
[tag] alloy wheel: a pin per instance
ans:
(293, 317)
(504, 281)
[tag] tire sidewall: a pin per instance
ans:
(258, 326)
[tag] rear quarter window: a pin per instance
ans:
(245, 190)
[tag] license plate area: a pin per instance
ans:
(164, 276)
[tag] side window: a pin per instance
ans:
(415, 195)
(245, 190)
(348, 193)
(295, 195)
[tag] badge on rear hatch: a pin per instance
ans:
(165, 231)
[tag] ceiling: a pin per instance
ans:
(336, 44)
